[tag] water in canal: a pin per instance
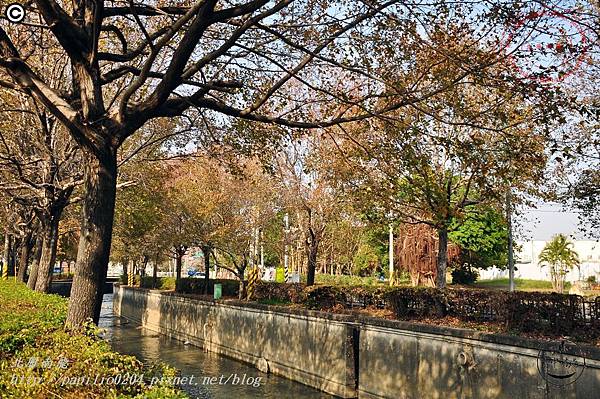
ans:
(243, 381)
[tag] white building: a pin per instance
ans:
(527, 263)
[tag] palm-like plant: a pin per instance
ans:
(559, 255)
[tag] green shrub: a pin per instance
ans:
(345, 280)
(549, 313)
(464, 275)
(162, 283)
(282, 293)
(319, 296)
(31, 328)
(196, 286)
(417, 302)
(323, 297)
(591, 279)
(363, 296)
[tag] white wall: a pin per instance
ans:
(527, 262)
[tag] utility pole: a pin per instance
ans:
(262, 251)
(391, 255)
(286, 221)
(255, 259)
(511, 261)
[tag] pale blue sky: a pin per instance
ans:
(546, 221)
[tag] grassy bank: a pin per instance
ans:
(521, 284)
(346, 280)
(39, 359)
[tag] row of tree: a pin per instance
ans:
(426, 104)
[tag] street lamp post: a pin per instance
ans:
(511, 261)
(391, 254)
(286, 220)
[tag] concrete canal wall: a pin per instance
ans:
(404, 360)
(306, 348)
(361, 357)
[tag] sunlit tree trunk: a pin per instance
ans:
(206, 250)
(125, 263)
(95, 239)
(312, 251)
(24, 258)
(48, 256)
(144, 264)
(155, 272)
(37, 254)
(14, 256)
(442, 258)
(179, 252)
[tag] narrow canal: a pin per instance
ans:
(231, 379)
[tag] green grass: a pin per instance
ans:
(31, 327)
(521, 284)
(329, 279)
(346, 280)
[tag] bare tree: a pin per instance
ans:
(40, 169)
(308, 192)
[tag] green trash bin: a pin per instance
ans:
(218, 290)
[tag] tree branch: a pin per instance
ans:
(144, 10)
(71, 36)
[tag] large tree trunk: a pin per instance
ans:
(144, 264)
(48, 258)
(95, 239)
(242, 287)
(311, 252)
(442, 258)
(37, 254)
(14, 256)
(155, 273)
(24, 258)
(178, 264)
(125, 264)
(206, 251)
